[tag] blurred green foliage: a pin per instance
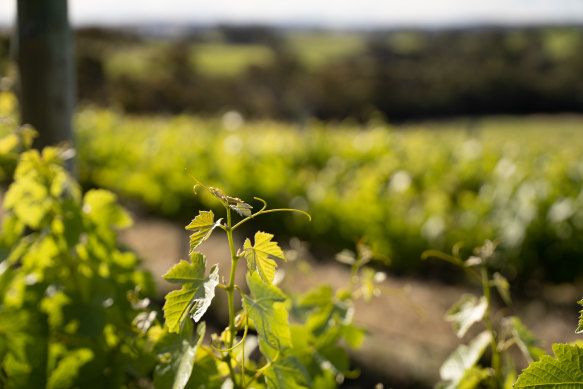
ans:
(69, 304)
(224, 60)
(295, 74)
(404, 190)
(317, 49)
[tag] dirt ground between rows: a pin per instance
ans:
(408, 338)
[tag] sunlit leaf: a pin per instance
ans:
(101, 207)
(242, 208)
(260, 256)
(67, 370)
(470, 380)
(464, 358)
(467, 311)
(202, 225)
(9, 144)
(564, 371)
(353, 335)
(503, 287)
(266, 312)
(196, 294)
(29, 200)
(346, 257)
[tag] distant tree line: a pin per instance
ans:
(403, 75)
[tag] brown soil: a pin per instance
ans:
(408, 338)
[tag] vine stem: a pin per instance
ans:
(230, 289)
(489, 326)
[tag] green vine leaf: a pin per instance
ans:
(287, 372)
(470, 380)
(196, 294)
(467, 311)
(202, 225)
(525, 340)
(178, 356)
(67, 370)
(259, 256)
(580, 327)
(101, 207)
(234, 203)
(563, 372)
(242, 208)
(270, 319)
(463, 359)
(503, 287)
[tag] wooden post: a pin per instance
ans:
(45, 63)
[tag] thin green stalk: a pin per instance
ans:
(262, 211)
(488, 319)
(230, 294)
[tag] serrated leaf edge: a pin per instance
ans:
(265, 267)
(205, 230)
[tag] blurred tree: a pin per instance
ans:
(45, 63)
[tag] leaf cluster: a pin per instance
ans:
(466, 366)
(298, 337)
(72, 302)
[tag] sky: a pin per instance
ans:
(318, 13)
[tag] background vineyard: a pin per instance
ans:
(439, 183)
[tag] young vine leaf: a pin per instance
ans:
(564, 371)
(270, 319)
(467, 311)
(202, 225)
(525, 340)
(234, 203)
(503, 287)
(462, 360)
(259, 256)
(196, 294)
(242, 208)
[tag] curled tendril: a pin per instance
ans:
(198, 183)
(264, 203)
(225, 350)
(264, 211)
